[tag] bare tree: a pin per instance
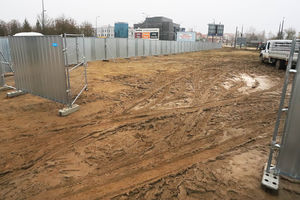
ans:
(290, 33)
(38, 27)
(87, 29)
(26, 26)
(14, 27)
(3, 28)
(65, 25)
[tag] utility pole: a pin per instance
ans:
(96, 31)
(236, 32)
(282, 28)
(43, 15)
(241, 36)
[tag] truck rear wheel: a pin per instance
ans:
(261, 58)
(279, 64)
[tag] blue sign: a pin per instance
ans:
(54, 44)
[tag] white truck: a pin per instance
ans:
(278, 51)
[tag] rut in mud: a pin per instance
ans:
(187, 126)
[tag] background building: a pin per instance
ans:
(106, 32)
(121, 30)
(167, 29)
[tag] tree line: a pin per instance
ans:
(50, 26)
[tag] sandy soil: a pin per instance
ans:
(187, 126)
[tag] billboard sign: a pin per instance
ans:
(138, 35)
(154, 35)
(215, 30)
(147, 33)
(241, 41)
(186, 36)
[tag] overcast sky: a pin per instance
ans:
(259, 14)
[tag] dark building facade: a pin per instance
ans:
(121, 30)
(167, 29)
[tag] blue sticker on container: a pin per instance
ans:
(54, 44)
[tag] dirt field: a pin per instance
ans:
(187, 126)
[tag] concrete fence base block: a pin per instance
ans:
(15, 93)
(4, 88)
(68, 110)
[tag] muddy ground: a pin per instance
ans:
(187, 126)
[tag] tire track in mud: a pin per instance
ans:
(133, 118)
(122, 123)
(118, 185)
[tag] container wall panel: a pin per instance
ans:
(40, 66)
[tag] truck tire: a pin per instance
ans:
(261, 58)
(279, 64)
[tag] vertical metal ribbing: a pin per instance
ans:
(282, 100)
(289, 105)
(65, 49)
(85, 63)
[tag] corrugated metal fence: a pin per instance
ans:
(40, 62)
(105, 49)
(40, 66)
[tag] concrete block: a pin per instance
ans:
(15, 93)
(68, 110)
(4, 88)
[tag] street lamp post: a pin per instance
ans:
(96, 32)
(43, 15)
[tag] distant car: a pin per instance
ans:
(262, 46)
(28, 34)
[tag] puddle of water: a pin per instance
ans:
(253, 83)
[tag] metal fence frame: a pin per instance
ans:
(5, 61)
(81, 61)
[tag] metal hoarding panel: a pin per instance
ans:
(168, 47)
(1, 76)
(147, 48)
(5, 50)
(153, 47)
(122, 47)
(40, 66)
(176, 47)
(131, 48)
(289, 156)
(173, 48)
(100, 49)
(80, 48)
(158, 47)
(164, 49)
(111, 48)
(89, 48)
(139, 48)
(71, 52)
